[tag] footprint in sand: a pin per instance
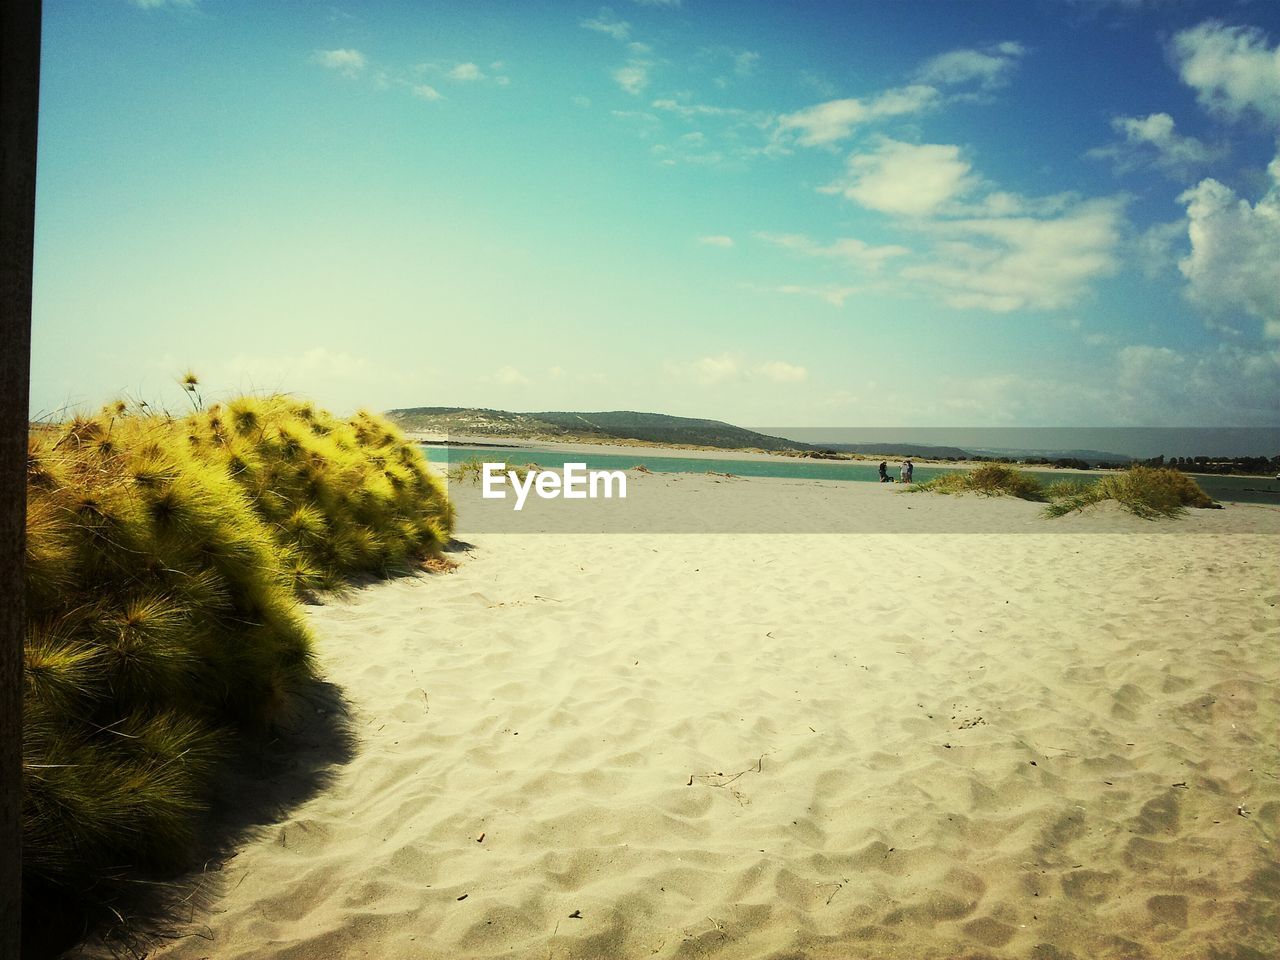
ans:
(1170, 909)
(1092, 886)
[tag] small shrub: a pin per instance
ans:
(472, 469)
(1147, 492)
(164, 560)
(989, 479)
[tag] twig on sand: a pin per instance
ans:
(718, 779)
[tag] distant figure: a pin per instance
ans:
(904, 471)
(884, 473)
(910, 469)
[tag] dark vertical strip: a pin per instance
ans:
(19, 104)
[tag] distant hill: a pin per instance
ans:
(922, 450)
(658, 428)
(664, 430)
(1092, 456)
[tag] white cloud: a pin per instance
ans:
(716, 240)
(425, 91)
(712, 370)
(848, 250)
(508, 376)
(907, 179)
(605, 22)
(1155, 246)
(744, 62)
(990, 67)
(350, 62)
(1234, 262)
(691, 110)
(826, 123)
(1013, 263)
(1152, 139)
(1224, 385)
(834, 294)
(466, 72)
(1232, 69)
(633, 76)
(290, 373)
(779, 371)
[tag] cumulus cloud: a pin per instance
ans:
(716, 240)
(633, 76)
(605, 22)
(466, 72)
(1232, 69)
(907, 179)
(1010, 263)
(690, 111)
(827, 123)
(712, 370)
(834, 294)
(779, 371)
(315, 364)
(349, 62)
(424, 91)
(1228, 384)
(508, 376)
(1234, 263)
(847, 250)
(989, 67)
(1153, 140)
(744, 62)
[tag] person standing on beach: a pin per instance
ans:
(902, 472)
(910, 469)
(884, 472)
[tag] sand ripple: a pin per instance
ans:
(740, 747)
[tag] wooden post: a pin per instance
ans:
(19, 103)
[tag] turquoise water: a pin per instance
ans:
(1234, 489)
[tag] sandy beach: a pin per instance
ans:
(1060, 743)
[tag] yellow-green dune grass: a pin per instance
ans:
(1147, 492)
(165, 557)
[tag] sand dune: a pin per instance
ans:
(1042, 745)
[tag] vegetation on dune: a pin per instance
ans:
(1147, 492)
(472, 469)
(165, 557)
(990, 479)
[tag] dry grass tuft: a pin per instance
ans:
(165, 557)
(990, 479)
(1148, 492)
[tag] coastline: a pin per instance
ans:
(717, 453)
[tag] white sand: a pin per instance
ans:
(899, 745)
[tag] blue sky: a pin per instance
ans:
(1040, 213)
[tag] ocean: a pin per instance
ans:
(1225, 488)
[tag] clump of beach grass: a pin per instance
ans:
(1147, 492)
(165, 558)
(990, 479)
(472, 469)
